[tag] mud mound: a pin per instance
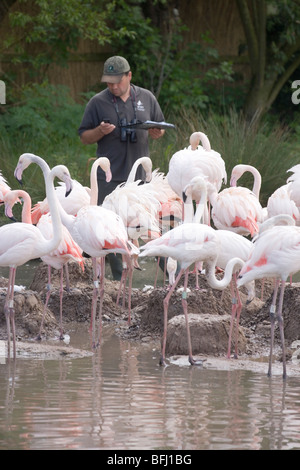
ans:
(209, 312)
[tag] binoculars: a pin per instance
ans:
(127, 133)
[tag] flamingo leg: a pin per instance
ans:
(94, 300)
(166, 306)
(10, 312)
(130, 274)
(67, 278)
(156, 272)
(61, 337)
(281, 329)
(272, 318)
(122, 284)
(184, 306)
(238, 314)
(233, 314)
(39, 335)
(101, 295)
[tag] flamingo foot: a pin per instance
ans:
(162, 361)
(195, 362)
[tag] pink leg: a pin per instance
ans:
(61, 337)
(281, 329)
(184, 306)
(101, 294)
(9, 311)
(156, 273)
(166, 305)
(122, 285)
(39, 336)
(94, 300)
(272, 317)
(233, 313)
(67, 278)
(130, 274)
(238, 314)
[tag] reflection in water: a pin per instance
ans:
(121, 399)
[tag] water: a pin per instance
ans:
(120, 398)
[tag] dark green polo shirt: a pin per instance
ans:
(141, 105)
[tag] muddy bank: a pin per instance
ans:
(209, 316)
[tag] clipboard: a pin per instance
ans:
(150, 125)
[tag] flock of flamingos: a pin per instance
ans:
(183, 216)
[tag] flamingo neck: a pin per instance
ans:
(53, 203)
(146, 164)
(221, 284)
(54, 212)
(26, 210)
(104, 163)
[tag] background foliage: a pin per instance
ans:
(43, 119)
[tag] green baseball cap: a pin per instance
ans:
(114, 68)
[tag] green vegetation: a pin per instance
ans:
(196, 89)
(47, 119)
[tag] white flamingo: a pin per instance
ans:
(4, 187)
(66, 251)
(189, 243)
(276, 255)
(22, 242)
(98, 232)
(80, 196)
(196, 160)
(236, 208)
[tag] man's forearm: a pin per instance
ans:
(91, 136)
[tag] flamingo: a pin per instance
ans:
(4, 187)
(22, 242)
(237, 208)
(137, 205)
(189, 243)
(280, 202)
(276, 255)
(66, 251)
(97, 231)
(231, 245)
(79, 197)
(294, 191)
(235, 245)
(196, 160)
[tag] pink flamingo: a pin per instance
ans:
(276, 255)
(4, 187)
(138, 206)
(237, 208)
(189, 243)
(66, 251)
(98, 232)
(79, 197)
(196, 160)
(231, 245)
(22, 242)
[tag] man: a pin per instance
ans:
(104, 121)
